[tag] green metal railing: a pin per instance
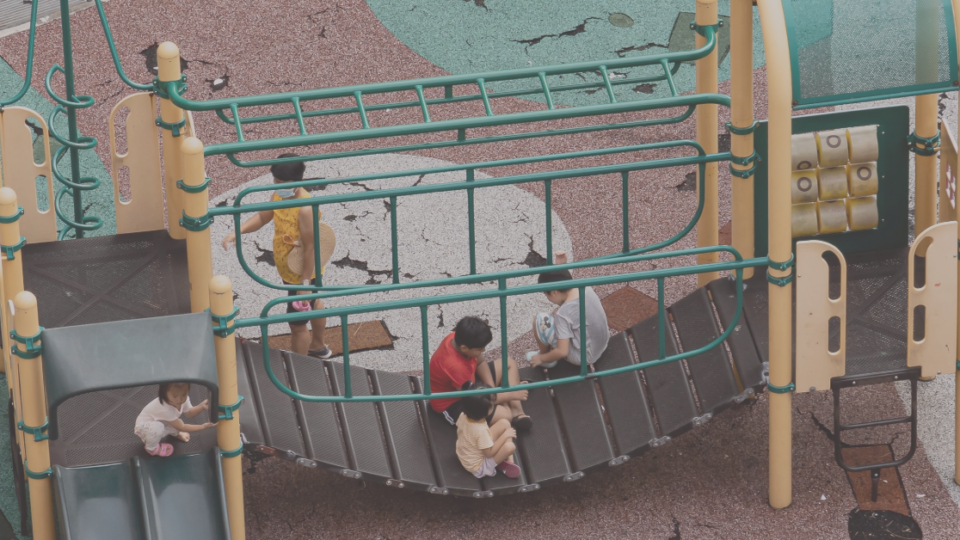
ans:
(502, 292)
(470, 186)
(229, 109)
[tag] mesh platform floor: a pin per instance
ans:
(109, 278)
(876, 311)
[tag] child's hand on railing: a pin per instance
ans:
(207, 425)
(227, 240)
(204, 405)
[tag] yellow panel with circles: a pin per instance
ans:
(834, 181)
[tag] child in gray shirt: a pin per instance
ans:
(558, 335)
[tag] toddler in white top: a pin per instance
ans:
(161, 417)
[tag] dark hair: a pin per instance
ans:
(476, 407)
(554, 276)
(472, 332)
(165, 387)
(291, 171)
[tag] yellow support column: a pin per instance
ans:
(199, 257)
(228, 429)
(12, 286)
(741, 117)
(925, 171)
(708, 227)
(168, 67)
(780, 249)
(37, 464)
(956, 414)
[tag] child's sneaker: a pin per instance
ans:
(162, 450)
(509, 468)
(322, 354)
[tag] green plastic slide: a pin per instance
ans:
(144, 498)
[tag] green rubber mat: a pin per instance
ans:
(98, 202)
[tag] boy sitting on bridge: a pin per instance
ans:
(558, 335)
(454, 364)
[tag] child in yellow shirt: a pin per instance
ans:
(484, 450)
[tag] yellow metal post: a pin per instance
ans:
(12, 286)
(228, 430)
(199, 257)
(956, 414)
(708, 227)
(12, 268)
(168, 67)
(780, 248)
(925, 172)
(37, 464)
(741, 116)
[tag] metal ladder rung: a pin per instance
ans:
(236, 121)
(669, 78)
(363, 111)
(608, 84)
(546, 89)
(299, 112)
(485, 97)
(423, 103)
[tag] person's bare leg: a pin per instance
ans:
(506, 452)
(544, 348)
(299, 338)
(513, 377)
(318, 326)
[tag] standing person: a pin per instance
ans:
(454, 364)
(161, 418)
(483, 450)
(292, 226)
(558, 336)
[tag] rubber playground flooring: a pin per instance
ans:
(710, 483)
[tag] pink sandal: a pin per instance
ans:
(509, 468)
(302, 305)
(162, 450)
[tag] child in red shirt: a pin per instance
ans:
(454, 363)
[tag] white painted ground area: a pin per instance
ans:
(433, 237)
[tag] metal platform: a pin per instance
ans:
(578, 428)
(107, 278)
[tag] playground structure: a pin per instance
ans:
(372, 424)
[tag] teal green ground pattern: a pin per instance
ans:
(470, 36)
(100, 200)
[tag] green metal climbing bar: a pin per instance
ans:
(470, 186)
(502, 292)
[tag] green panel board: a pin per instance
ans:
(893, 167)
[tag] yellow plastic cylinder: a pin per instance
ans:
(803, 152)
(862, 213)
(832, 148)
(803, 218)
(862, 144)
(780, 314)
(832, 216)
(832, 183)
(956, 432)
(862, 179)
(33, 401)
(12, 275)
(199, 256)
(168, 69)
(741, 116)
(228, 431)
(708, 226)
(804, 187)
(926, 173)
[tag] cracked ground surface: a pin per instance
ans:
(510, 235)
(710, 483)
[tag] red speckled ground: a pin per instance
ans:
(710, 483)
